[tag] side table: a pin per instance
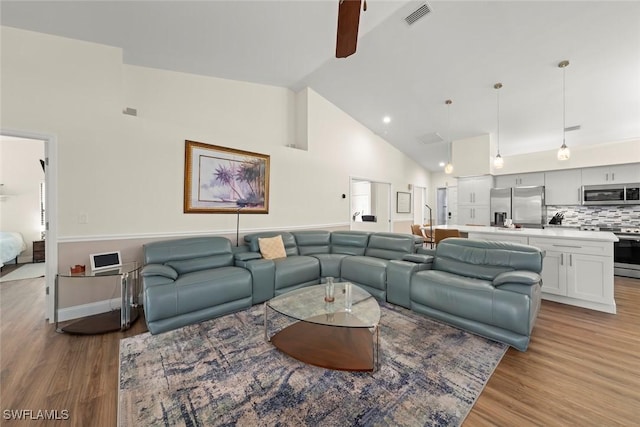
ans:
(115, 320)
(39, 253)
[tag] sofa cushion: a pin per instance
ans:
(212, 287)
(311, 242)
(330, 264)
(448, 292)
(185, 249)
(295, 270)
(485, 259)
(272, 247)
(349, 242)
(390, 245)
(203, 263)
(365, 270)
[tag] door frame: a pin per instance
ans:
(373, 181)
(51, 213)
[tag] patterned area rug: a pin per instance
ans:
(222, 372)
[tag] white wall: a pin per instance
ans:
(21, 175)
(125, 174)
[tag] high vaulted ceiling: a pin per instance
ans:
(457, 51)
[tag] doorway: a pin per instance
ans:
(370, 205)
(446, 205)
(38, 223)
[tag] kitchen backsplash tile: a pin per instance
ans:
(622, 216)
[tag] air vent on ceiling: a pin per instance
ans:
(430, 138)
(572, 128)
(417, 14)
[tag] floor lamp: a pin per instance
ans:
(430, 228)
(238, 226)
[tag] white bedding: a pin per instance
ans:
(11, 245)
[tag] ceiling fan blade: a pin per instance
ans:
(348, 22)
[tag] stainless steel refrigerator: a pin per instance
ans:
(524, 205)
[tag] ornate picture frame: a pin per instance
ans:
(224, 180)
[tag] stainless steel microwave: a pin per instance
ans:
(612, 194)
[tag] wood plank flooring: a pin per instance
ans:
(582, 367)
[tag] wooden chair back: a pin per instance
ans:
(440, 234)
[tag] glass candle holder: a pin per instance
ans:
(347, 297)
(329, 289)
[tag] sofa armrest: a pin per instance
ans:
(159, 270)
(426, 251)
(246, 256)
(418, 258)
(399, 275)
(263, 277)
(517, 277)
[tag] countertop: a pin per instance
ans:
(562, 233)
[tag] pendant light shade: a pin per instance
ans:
(448, 168)
(498, 161)
(563, 152)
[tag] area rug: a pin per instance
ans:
(27, 271)
(223, 372)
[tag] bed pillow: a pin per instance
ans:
(272, 247)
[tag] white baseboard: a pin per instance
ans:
(83, 310)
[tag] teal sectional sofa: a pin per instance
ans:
(486, 287)
(489, 288)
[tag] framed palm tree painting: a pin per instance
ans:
(224, 180)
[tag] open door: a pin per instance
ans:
(370, 205)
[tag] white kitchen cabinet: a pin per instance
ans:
(577, 272)
(614, 174)
(562, 187)
(520, 180)
(473, 200)
(473, 215)
(475, 190)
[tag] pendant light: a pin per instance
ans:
(498, 162)
(448, 168)
(563, 152)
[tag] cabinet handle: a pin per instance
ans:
(570, 260)
(613, 176)
(606, 177)
(561, 259)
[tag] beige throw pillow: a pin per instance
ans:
(272, 247)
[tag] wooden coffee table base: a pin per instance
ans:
(331, 347)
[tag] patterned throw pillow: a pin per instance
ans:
(272, 247)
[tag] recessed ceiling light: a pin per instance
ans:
(441, 164)
(386, 119)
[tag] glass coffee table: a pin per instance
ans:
(324, 334)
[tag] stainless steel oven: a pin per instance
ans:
(626, 253)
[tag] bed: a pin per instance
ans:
(11, 245)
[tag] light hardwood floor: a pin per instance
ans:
(582, 367)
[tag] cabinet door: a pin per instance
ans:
(465, 214)
(562, 187)
(618, 174)
(466, 187)
(554, 272)
(530, 179)
(625, 174)
(481, 215)
(587, 278)
(520, 180)
(482, 190)
(506, 181)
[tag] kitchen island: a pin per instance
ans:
(577, 268)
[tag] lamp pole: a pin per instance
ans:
(238, 226)
(430, 228)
